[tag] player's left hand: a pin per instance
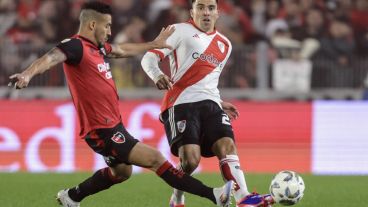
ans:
(164, 83)
(230, 110)
(19, 80)
(160, 40)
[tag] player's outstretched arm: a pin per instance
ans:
(123, 50)
(42, 64)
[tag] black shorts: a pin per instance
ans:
(201, 123)
(114, 144)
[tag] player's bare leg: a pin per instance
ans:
(190, 156)
(148, 157)
(225, 150)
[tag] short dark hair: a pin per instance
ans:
(193, 1)
(98, 6)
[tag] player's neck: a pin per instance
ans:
(88, 36)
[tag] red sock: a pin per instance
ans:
(181, 181)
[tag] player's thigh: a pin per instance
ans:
(182, 126)
(146, 156)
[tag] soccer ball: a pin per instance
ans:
(287, 188)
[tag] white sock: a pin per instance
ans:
(230, 170)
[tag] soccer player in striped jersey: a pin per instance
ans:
(196, 120)
(85, 60)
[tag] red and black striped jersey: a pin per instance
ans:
(90, 83)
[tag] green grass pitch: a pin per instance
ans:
(38, 190)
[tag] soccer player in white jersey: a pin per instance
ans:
(196, 120)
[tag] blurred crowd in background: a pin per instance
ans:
(332, 35)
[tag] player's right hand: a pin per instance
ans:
(164, 83)
(19, 81)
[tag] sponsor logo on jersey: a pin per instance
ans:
(118, 138)
(210, 58)
(105, 68)
(196, 36)
(181, 125)
(221, 46)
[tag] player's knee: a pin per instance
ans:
(155, 160)
(190, 164)
(223, 147)
(122, 177)
(121, 173)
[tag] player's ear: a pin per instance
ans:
(191, 13)
(92, 25)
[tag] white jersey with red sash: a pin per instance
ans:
(196, 62)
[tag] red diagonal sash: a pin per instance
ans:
(197, 71)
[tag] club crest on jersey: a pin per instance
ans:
(181, 125)
(221, 46)
(118, 138)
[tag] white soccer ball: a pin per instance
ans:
(287, 188)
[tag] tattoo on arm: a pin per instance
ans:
(55, 56)
(112, 55)
(47, 61)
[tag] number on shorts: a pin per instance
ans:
(225, 119)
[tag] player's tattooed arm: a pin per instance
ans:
(42, 64)
(123, 50)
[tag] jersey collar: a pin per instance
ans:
(190, 21)
(86, 39)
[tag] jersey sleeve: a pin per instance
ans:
(73, 50)
(173, 41)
